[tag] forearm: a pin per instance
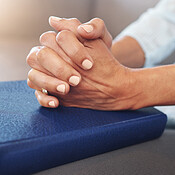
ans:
(128, 52)
(155, 86)
(155, 33)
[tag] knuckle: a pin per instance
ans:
(75, 20)
(30, 60)
(60, 72)
(42, 54)
(30, 75)
(29, 83)
(99, 21)
(75, 52)
(43, 37)
(30, 57)
(46, 35)
(62, 35)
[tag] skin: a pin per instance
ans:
(48, 39)
(108, 85)
(97, 88)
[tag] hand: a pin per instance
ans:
(142, 82)
(106, 86)
(48, 39)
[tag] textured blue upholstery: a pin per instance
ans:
(33, 138)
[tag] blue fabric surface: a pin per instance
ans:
(33, 138)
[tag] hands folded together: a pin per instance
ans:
(78, 69)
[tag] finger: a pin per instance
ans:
(33, 62)
(48, 39)
(70, 24)
(32, 85)
(46, 100)
(52, 62)
(53, 85)
(74, 49)
(94, 29)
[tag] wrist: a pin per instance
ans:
(145, 88)
(155, 86)
(136, 89)
(128, 91)
(141, 93)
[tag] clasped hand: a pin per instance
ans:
(77, 68)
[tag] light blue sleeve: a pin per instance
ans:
(155, 32)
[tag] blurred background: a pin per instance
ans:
(23, 21)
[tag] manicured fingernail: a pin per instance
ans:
(61, 88)
(87, 64)
(74, 80)
(54, 19)
(52, 104)
(87, 28)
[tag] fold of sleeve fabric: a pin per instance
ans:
(155, 32)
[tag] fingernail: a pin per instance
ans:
(74, 80)
(61, 88)
(87, 64)
(54, 19)
(87, 28)
(52, 103)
